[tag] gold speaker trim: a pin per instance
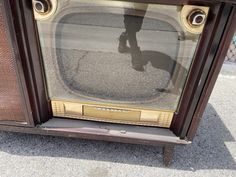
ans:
(39, 16)
(186, 11)
(112, 114)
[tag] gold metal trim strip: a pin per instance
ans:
(111, 114)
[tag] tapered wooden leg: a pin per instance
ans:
(168, 152)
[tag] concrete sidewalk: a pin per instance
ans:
(212, 153)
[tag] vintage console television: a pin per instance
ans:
(132, 71)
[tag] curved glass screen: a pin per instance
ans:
(121, 53)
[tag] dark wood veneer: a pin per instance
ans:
(213, 74)
(225, 13)
(29, 49)
(205, 68)
(202, 52)
(13, 80)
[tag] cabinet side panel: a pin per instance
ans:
(10, 96)
(213, 74)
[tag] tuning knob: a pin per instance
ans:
(196, 18)
(42, 7)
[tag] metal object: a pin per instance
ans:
(193, 18)
(42, 6)
(109, 113)
(197, 18)
(44, 9)
(231, 54)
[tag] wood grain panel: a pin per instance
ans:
(10, 96)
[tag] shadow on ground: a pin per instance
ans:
(208, 150)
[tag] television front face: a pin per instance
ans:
(117, 61)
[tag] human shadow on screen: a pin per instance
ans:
(164, 62)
